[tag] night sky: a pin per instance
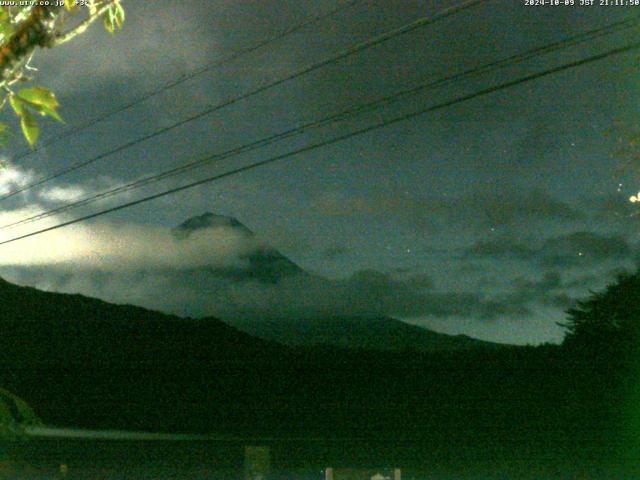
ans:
(487, 218)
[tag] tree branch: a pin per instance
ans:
(33, 32)
(65, 37)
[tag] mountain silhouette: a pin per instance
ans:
(44, 328)
(82, 362)
(85, 362)
(263, 263)
(267, 265)
(368, 333)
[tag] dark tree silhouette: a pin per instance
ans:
(603, 346)
(607, 322)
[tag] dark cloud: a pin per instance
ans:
(549, 290)
(515, 207)
(574, 249)
(594, 280)
(560, 300)
(510, 208)
(616, 205)
(541, 140)
(420, 281)
(616, 210)
(504, 248)
(583, 247)
(550, 280)
(497, 309)
(413, 297)
(202, 292)
(334, 252)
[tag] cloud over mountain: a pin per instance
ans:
(214, 265)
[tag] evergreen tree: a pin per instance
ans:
(607, 321)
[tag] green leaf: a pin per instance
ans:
(44, 111)
(39, 96)
(70, 5)
(5, 131)
(114, 17)
(17, 104)
(30, 127)
(50, 112)
(108, 22)
(118, 14)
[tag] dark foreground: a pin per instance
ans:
(509, 413)
(111, 460)
(539, 413)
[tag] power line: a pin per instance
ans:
(193, 74)
(308, 69)
(351, 112)
(337, 139)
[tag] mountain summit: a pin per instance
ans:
(262, 263)
(209, 220)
